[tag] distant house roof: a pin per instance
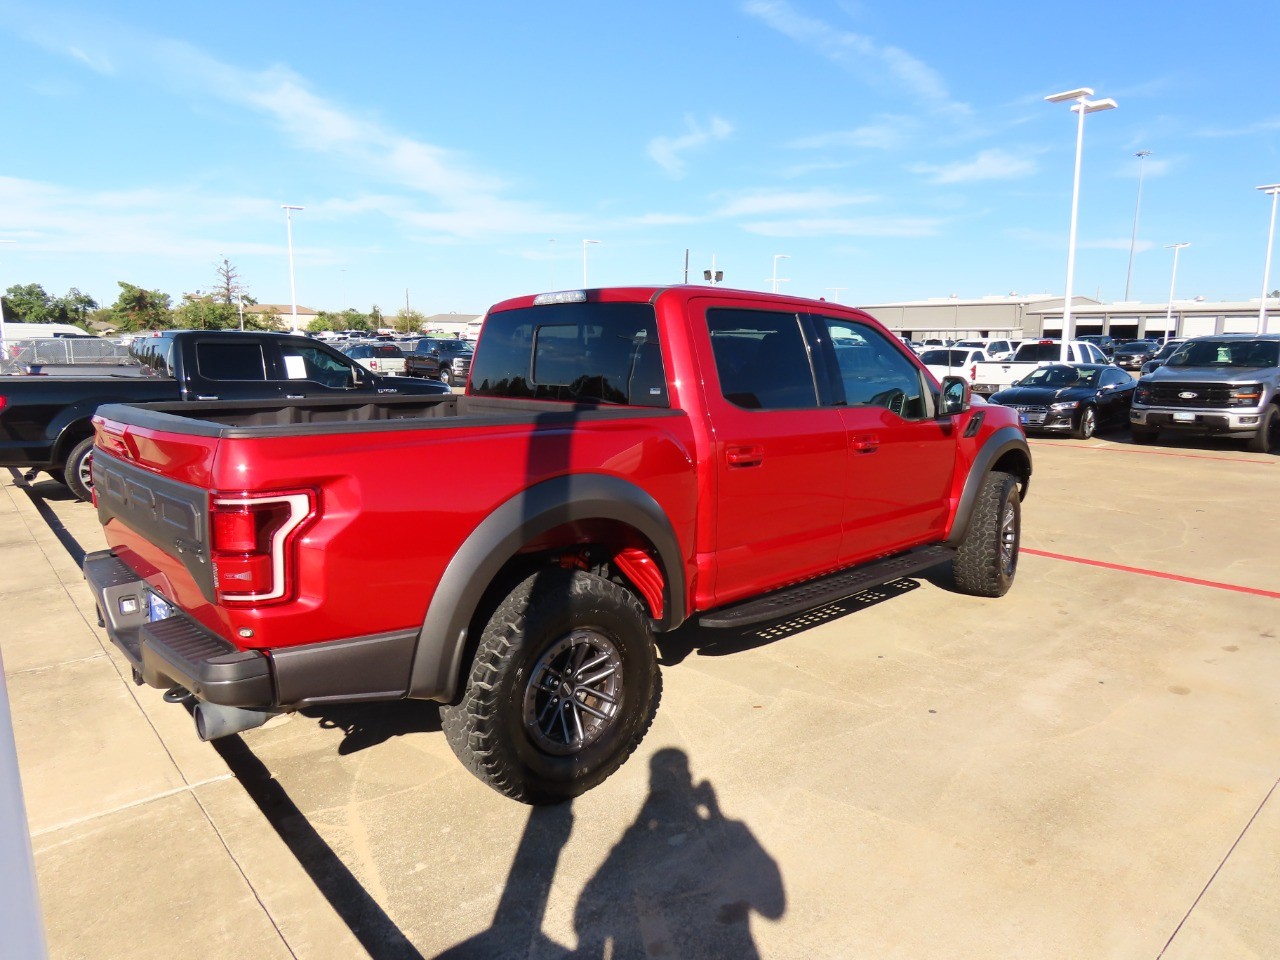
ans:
(437, 318)
(284, 309)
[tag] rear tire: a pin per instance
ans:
(77, 472)
(987, 560)
(1268, 435)
(563, 688)
(446, 377)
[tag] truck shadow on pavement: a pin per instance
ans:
(369, 724)
(678, 644)
(683, 881)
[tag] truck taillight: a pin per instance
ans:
(252, 537)
(973, 373)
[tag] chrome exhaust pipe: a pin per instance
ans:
(213, 720)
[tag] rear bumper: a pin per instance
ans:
(178, 651)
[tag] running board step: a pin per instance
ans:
(836, 586)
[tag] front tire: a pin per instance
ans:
(1087, 425)
(987, 560)
(77, 473)
(563, 688)
(1268, 435)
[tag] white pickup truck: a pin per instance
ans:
(992, 376)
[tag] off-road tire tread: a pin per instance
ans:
(471, 725)
(976, 567)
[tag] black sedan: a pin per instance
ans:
(1078, 399)
(1132, 354)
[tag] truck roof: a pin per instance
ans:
(650, 293)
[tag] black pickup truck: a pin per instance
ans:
(46, 422)
(442, 358)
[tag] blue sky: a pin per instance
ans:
(464, 151)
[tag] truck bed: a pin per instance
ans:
(243, 419)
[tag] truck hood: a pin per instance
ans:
(1167, 374)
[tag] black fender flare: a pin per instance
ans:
(437, 661)
(1003, 441)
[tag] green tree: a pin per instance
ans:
(139, 309)
(409, 321)
(28, 303)
(205, 312)
(75, 308)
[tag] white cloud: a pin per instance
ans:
(768, 202)
(987, 165)
(98, 64)
(887, 134)
(857, 52)
(668, 152)
(847, 227)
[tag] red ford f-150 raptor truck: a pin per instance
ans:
(622, 461)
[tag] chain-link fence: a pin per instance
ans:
(21, 355)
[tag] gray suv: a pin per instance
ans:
(1226, 385)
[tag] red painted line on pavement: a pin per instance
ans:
(1257, 592)
(1150, 453)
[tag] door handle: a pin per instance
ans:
(865, 443)
(745, 456)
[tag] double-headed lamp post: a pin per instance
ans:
(776, 279)
(293, 290)
(1274, 190)
(584, 261)
(1168, 316)
(1081, 105)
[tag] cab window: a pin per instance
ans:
(870, 370)
(306, 361)
(231, 361)
(761, 359)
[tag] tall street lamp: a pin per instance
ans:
(293, 291)
(1128, 278)
(584, 261)
(1274, 190)
(3, 354)
(1081, 106)
(776, 280)
(1168, 316)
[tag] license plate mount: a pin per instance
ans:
(1182, 417)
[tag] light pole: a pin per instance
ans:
(1128, 278)
(1081, 106)
(551, 260)
(776, 280)
(4, 355)
(293, 291)
(1274, 190)
(584, 261)
(1168, 316)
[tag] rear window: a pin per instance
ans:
(944, 358)
(582, 352)
(1035, 352)
(387, 350)
(231, 361)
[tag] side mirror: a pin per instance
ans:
(1016, 383)
(955, 396)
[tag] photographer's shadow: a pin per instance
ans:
(682, 882)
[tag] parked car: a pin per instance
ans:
(996, 375)
(1132, 354)
(298, 561)
(1079, 399)
(377, 356)
(452, 356)
(1103, 342)
(1225, 385)
(1167, 350)
(995, 349)
(948, 361)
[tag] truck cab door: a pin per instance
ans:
(228, 369)
(779, 453)
(901, 457)
(310, 369)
